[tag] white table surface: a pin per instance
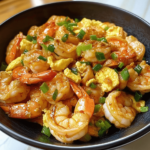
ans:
(139, 7)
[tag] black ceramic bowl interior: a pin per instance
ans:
(30, 133)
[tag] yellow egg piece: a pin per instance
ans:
(90, 81)
(45, 118)
(72, 76)
(15, 63)
(25, 44)
(115, 31)
(59, 65)
(81, 67)
(108, 78)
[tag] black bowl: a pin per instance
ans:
(30, 133)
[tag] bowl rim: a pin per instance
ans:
(112, 144)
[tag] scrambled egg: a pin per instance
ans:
(90, 81)
(108, 78)
(87, 23)
(25, 44)
(115, 31)
(59, 65)
(45, 118)
(15, 63)
(72, 76)
(137, 105)
(81, 68)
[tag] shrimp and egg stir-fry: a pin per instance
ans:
(69, 76)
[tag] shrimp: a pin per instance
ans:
(22, 74)
(65, 126)
(140, 82)
(138, 47)
(118, 109)
(61, 83)
(13, 50)
(12, 90)
(97, 46)
(32, 109)
(31, 61)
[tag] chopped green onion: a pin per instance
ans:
(125, 74)
(86, 137)
(34, 41)
(25, 51)
(44, 46)
(42, 58)
(97, 67)
(46, 131)
(107, 124)
(106, 28)
(93, 86)
(64, 38)
(114, 56)
(144, 109)
(44, 87)
(81, 34)
(116, 70)
(100, 124)
(138, 69)
(88, 92)
(121, 64)
(48, 38)
(100, 56)
(101, 132)
(74, 70)
(144, 58)
(76, 20)
(102, 100)
(72, 24)
(97, 108)
(117, 89)
(64, 22)
(85, 62)
(55, 94)
(3, 66)
(22, 62)
(83, 47)
(51, 48)
(137, 96)
(103, 39)
(93, 37)
(29, 38)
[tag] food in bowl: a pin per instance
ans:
(72, 76)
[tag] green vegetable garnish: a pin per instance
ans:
(25, 51)
(48, 38)
(85, 62)
(103, 39)
(46, 131)
(32, 39)
(22, 62)
(97, 108)
(88, 92)
(138, 69)
(44, 87)
(121, 64)
(76, 20)
(125, 74)
(3, 66)
(55, 94)
(83, 47)
(93, 37)
(86, 137)
(114, 56)
(74, 70)
(93, 86)
(81, 34)
(137, 96)
(42, 58)
(116, 70)
(144, 109)
(100, 56)
(64, 38)
(106, 28)
(51, 48)
(102, 100)
(97, 67)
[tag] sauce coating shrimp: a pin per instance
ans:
(31, 61)
(32, 109)
(66, 128)
(118, 109)
(61, 83)
(12, 90)
(140, 82)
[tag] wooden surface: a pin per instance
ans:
(9, 8)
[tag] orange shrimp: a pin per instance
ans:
(34, 78)
(32, 109)
(48, 28)
(12, 54)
